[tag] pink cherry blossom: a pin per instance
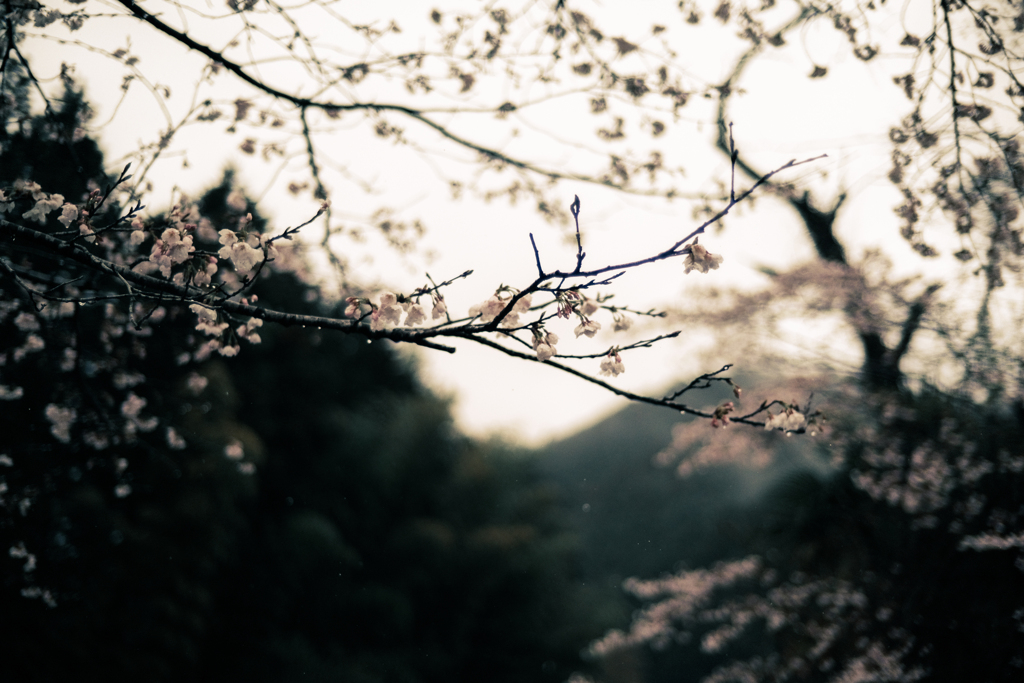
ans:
(10, 393)
(244, 257)
(720, 417)
(234, 450)
(171, 249)
(204, 277)
(26, 322)
(612, 365)
(387, 314)
(174, 440)
(567, 303)
(521, 307)
(352, 309)
(416, 315)
(488, 310)
(196, 383)
(29, 186)
(208, 324)
(132, 406)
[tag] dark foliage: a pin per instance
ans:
(372, 543)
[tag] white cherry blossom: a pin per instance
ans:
(587, 327)
(241, 254)
(68, 214)
(544, 345)
(699, 258)
(44, 205)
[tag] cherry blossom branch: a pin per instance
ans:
(416, 114)
(672, 251)
(28, 70)
(639, 398)
(30, 293)
(165, 290)
(644, 344)
(952, 82)
(143, 286)
(705, 381)
(575, 209)
(8, 48)
(187, 278)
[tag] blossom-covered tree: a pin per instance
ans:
(900, 561)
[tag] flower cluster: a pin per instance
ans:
(248, 330)
(696, 446)
(171, 249)
(699, 258)
(60, 420)
(573, 302)
(44, 205)
(201, 276)
(544, 344)
(210, 324)
(611, 365)
(207, 324)
(490, 309)
(131, 410)
(390, 308)
(568, 302)
(685, 595)
(721, 415)
(247, 252)
(587, 327)
(388, 313)
(789, 420)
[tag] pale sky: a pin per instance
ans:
(781, 115)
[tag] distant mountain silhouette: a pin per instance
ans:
(639, 519)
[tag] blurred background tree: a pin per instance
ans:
(894, 553)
